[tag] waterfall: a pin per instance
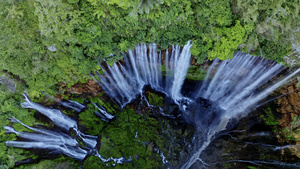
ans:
(59, 141)
(232, 87)
(60, 119)
(179, 64)
(143, 67)
(230, 90)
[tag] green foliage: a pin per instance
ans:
(288, 132)
(155, 99)
(147, 5)
(85, 32)
(123, 137)
(272, 18)
(269, 118)
(211, 13)
(57, 19)
(252, 167)
(196, 73)
(292, 129)
(220, 33)
(276, 22)
(24, 41)
(93, 123)
(10, 106)
(61, 162)
(130, 135)
(226, 41)
(273, 50)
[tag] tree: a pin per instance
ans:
(277, 21)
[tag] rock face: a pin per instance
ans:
(289, 107)
(89, 88)
(9, 83)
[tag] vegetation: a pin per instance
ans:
(47, 43)
(287, 133)
(83, 33)
(196, 73)
(155, 99)
(269, 118)
(123, 137)
(10, 107)
(276, 25)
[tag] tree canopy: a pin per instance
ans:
(85, 32)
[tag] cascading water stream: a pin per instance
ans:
(143, 67)
(233, 87)
(58, 141)
(230, 90)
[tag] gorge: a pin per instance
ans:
(230, 91)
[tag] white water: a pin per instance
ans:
(60, 119)
(72, 105)
(49, 140)
(103, 113)
(235, 86)
(143, 67)
(59, 141)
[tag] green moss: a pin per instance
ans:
(155, 99)
(226, 165)
(92, 162)
(287, 132)
(10, 107)
(111, 108)
(252, 167)
(61, 162)
(269, 118)
(124, 137)
(298, 83)
(78, 99)
(196, 73)
(130, 135)
(89, 120)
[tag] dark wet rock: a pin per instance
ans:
(176, 135)
(72, 105)
(249, 143)
(103, 114)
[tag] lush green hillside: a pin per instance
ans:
(47, 43)
(86, 31)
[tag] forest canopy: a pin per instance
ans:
(46, 46)
(46, 43)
